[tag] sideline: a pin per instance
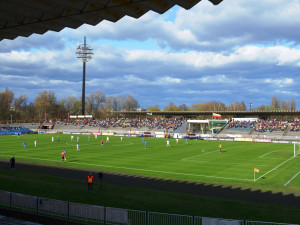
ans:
(273, 169)
(206, 153)
(137, 169)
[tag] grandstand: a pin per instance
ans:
(241, 127)
(14, 130)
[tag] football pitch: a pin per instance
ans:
(195, 161)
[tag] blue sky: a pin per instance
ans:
(234, 51)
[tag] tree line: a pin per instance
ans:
(46, 106)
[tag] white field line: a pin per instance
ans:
(136, 169)
(292, 179)
(208, 152)
(12, 151)
(199, 155)
(267, 154)
(224, 163)
(97, 144)
(274, 168)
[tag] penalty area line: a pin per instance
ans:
(267, 154)
(292, 179)
(137, 169)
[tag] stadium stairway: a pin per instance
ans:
(223, 129)
(182, 129)
(287, 130)
(251, 132)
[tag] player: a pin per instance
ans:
(220, 148)
(176, 140)
(24, 144)
(35, 143)
(186, 141)
(57, 138)
(143, 140)
(168, 143)
(102, 142)
(89, 138)
(146, 144)
(52, 139)
(72, 138)
(77, 138)
(107, 139)
(121, 139)
(96, 136)
(77, 146)
(63, 155)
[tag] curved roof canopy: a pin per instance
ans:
(26, 17)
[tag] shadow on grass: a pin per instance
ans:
(203, 189)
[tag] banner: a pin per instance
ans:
(243, 139)
(96, 133)
(262, 140)
(51, 132)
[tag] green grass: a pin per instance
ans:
(142, 199)
(198, 161)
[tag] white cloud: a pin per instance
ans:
(280, 82)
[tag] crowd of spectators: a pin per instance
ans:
(241, 124)
(263, 125)
(295, 125)
(271, 125)
(138, 123)
(14, 130)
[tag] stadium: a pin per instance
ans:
(103, 159)
(258, 163)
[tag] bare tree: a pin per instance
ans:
(275, 103)
(171, 107)
(293, 105)
(183, 107)
(95, 102)
(46, 105)
(154, 108)
(6, 100)
(131, 104)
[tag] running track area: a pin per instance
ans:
(163, 185)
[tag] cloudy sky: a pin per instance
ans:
(238, 50)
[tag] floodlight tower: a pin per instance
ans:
(84, 53)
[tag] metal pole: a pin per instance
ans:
(83, 83)
(83, 89)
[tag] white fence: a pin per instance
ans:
(108, 215)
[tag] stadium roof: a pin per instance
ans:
(261, 114)
(26, 17)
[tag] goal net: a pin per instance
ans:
(296, 149)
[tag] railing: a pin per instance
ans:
(107, 215)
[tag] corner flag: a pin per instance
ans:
(256, 170)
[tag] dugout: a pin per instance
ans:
(205, 126)
(46, 126)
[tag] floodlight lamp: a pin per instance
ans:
(84, 53)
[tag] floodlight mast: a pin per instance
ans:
(84, 53)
